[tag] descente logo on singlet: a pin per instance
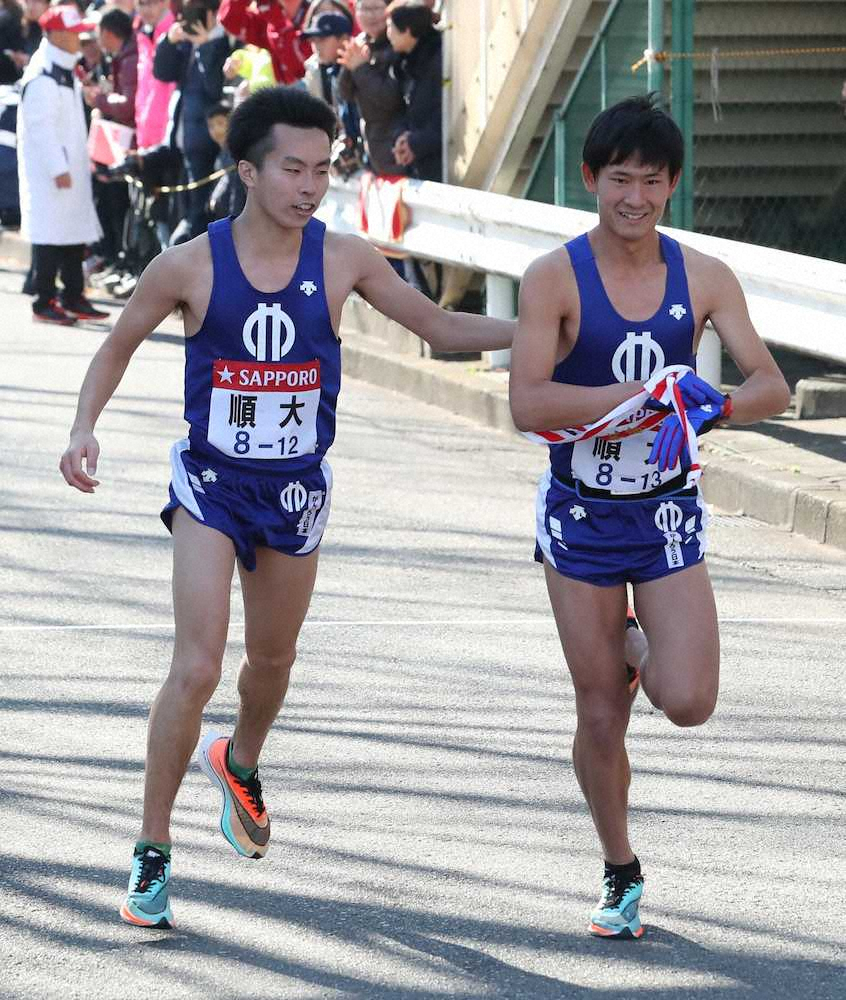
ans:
(637, 357)
(263, 332)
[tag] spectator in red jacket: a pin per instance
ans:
(275, 25)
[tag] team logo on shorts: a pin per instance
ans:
(668, 519)
(315, 503)
(263, 332)
(209, 476)
(577, 512)
(293, 497)
(638, 357)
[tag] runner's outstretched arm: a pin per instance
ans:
(377, 282)
(155, 297)
(538, 403)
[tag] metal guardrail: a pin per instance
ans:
(795, 301)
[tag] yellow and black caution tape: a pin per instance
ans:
(176, 188)
(735, 54)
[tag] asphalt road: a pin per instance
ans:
(429, 838)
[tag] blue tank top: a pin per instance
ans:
(611, 349)
(263, 372)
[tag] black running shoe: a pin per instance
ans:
(81, 308)
(53, 313)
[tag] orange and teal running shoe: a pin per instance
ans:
(617, 914)
(147, 903)
(243, 818)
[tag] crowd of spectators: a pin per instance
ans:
(146, 87)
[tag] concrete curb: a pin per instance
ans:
(747, 472)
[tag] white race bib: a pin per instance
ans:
(619, 465)
(264, 411)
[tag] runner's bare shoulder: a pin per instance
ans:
(182, 277)
(347, 260)
(549, 281)
(709, 280)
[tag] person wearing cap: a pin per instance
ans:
(328, 34)
(57, 207)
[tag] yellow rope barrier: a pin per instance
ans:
(735, 54)
(175, 188)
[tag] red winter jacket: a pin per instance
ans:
(119, 105)
(267, 25)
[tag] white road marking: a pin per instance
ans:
(409, 622)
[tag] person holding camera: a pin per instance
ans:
(116, 100)
(192, 55)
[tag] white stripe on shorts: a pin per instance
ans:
(544, 539)
(702, 534)
(319, 526)
(179, 480)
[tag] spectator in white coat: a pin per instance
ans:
(57, 207)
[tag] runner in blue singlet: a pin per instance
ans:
(250, 485)
(598, 318)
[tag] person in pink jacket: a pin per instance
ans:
(152, 98)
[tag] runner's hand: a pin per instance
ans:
(81, 446)
(670, 443)
(695, 391)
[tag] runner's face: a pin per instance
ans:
(294, 176)
(630, 197)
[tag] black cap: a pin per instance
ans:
(325, 25)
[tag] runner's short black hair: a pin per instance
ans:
(250, 133)
(411, 15)
(637, 127)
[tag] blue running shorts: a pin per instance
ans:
(280, 510)
(608, 541)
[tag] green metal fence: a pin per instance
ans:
(605, 77)
(769, 133)
(755, 86)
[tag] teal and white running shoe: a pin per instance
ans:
(147, 904)
(617, 913)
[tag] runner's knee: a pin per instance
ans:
(689, 711)
(602, 723)
(195, 678)
(269, 662)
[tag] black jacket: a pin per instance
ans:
(420, 78)
(377, 93)
(11, 39)
(199, 73)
